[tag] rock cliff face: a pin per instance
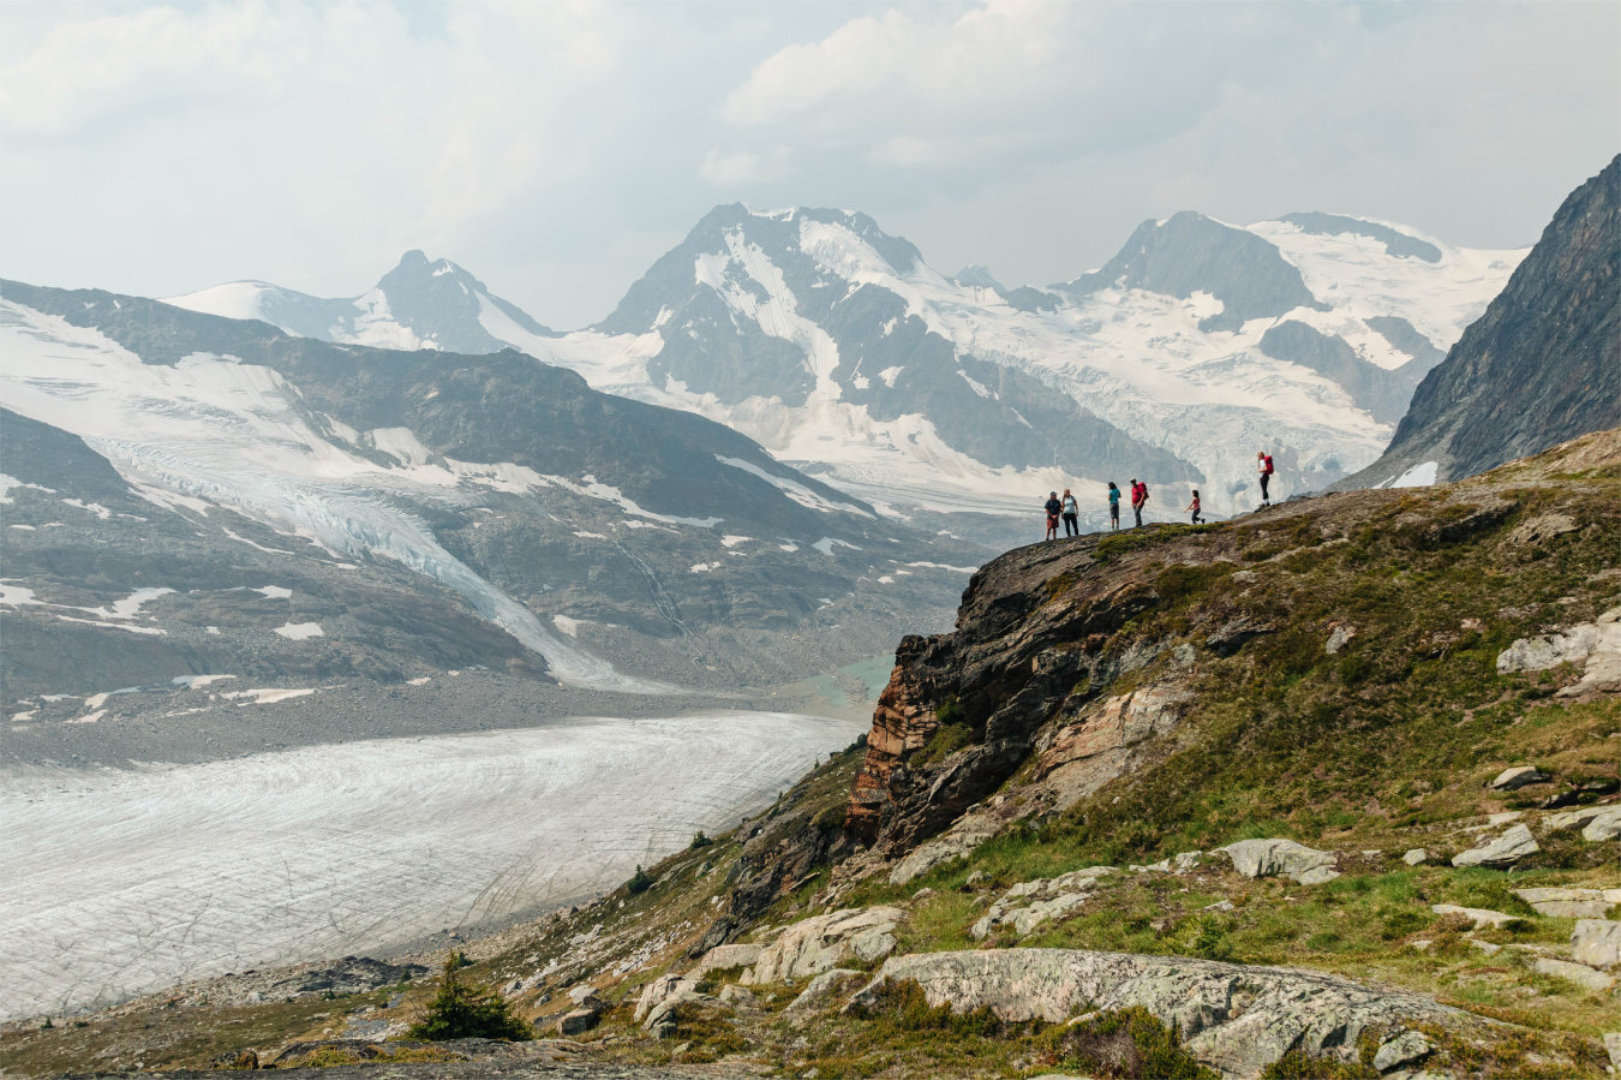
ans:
(1014, 661)
(1543, 365)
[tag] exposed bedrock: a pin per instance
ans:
(1234, 1017)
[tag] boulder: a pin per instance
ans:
(1596, 943)
(812, 946)
(1604, 825)
(1234, 1017)
(1501, 853)
(1573, 646)
(1478, 916)
(1595, 645)
(1184, 861)
(823, 988)
(1542, 527)
(1402, 1049)
(1415, 856)
(1571, 903)
(1574, 819)
(925, 857)
(738, 997)
(1518, 776)
(578, 1021)
(1583, 976)
(661, 1016)
(581, 994)
(662, 987)
(1030, 903)
(1612, 1046)
(1269, 858)
(725, 958)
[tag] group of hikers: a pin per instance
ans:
(1068, 511)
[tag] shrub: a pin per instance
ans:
(904, 1004)
(699, 840)
(640, 881)
(463, 1011)
(1129, 1043)
(1212, 942)
(946, 740)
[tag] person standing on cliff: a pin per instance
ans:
(1072, 515)
(1114, 507)
(1053, 508)
(1263, 466)
(1139, 499)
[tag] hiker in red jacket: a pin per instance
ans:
(1139, 499)
(1263, 465)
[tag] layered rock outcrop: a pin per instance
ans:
(1030, 645)
(1237, 1018)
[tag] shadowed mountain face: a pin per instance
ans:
(1190, 253)
(1541, 366)
(427, 509)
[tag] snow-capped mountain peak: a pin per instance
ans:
(837, 346)
(422, 303)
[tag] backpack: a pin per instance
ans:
(1268, 465)
(1142, 490)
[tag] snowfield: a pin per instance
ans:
(119, 883)
(214, 430)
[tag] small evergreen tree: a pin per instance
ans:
(463, 1011)
(640, 881)
(699, 840)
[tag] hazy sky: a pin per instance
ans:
(556, 150)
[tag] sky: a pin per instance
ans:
(557, 149)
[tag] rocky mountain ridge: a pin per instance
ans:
(1541, 366)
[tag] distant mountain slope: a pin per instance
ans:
(1541, 366)
(838, 348)
(417, 305)
(610, 542)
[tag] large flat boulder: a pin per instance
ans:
(1030, 903)
(1501, 853)
(1596, 943)
(1236, 1018)
(1571, 903)
(823, 942)
(1276, 857)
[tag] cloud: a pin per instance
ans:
(730, 170)
(897, 57)
(557, 149)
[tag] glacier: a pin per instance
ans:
(123, 882)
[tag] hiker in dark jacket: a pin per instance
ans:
(1053, 508)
